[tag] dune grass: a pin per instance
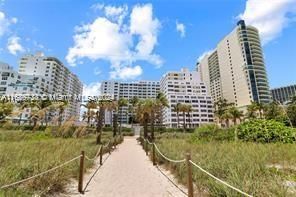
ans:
(23, 154)
(258, 169)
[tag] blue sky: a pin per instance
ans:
(128, 40)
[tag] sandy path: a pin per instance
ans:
(129, 172)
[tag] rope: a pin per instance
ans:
(221, 181)
(171, 160)
(148, 141)
(166, 176)
(165, 157)
(96, 155)
(107, 145)
(40, 174)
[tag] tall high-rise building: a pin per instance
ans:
(41, 75)
(235, 70)
(283, 94)
(185, 87)
(128, 90)
(57, 79)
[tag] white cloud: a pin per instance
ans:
(180, 27)
(127, 72)
(270, 17)
(14, 45)
(120, 43)
(97, 71)
(101, 39)
(14, 20)
(97, 6)
(146, 27)
(116, 13)
(92, 89)
(4, 23)
(204, 54)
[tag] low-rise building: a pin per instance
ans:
(128, 90)
(283, 94)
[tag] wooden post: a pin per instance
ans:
(189, 171)
(115, 141)
(81, 172)
(146, 147)
(153, 155)
(101, 155)
(109, 148)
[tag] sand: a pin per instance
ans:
(129, 172)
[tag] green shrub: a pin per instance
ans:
(8, 126)
(241, 164)
(107, 129)
(266, 131)
(173, 130)
(213, 132)
(126, 130)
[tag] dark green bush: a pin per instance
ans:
(266, 131)
(126, 130)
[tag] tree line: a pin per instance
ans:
(43, 111)
(226, 112)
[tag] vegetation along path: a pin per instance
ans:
(129, 172)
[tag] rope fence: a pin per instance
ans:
(165, 157)
(40, 174)
(96, 155)
(189, 163)
(217, 179)
(82, 158)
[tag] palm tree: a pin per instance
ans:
(176, 108)
(274, 111)
(112, 106)
(100, 116)
(121, 103)
(292, 100)
(61, 106)
(45, 105)
(34, 107)
(291, 111)
(184, 110)
(221, 107)
(252, 110)
(235, 114)
(89, 106)
(226, 116)
(161, 103)
(261, 108)
(189, 110)
(6, 109)
(143, 115)
(134, 101)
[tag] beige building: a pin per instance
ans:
(185, 87)
(235, 70)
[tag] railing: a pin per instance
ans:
(189, 164)
(101, 150)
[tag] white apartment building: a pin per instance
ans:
(235, 70)
(8, 76)
(41, 75)
(128, 90)
(59, 79)
(185, 87)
